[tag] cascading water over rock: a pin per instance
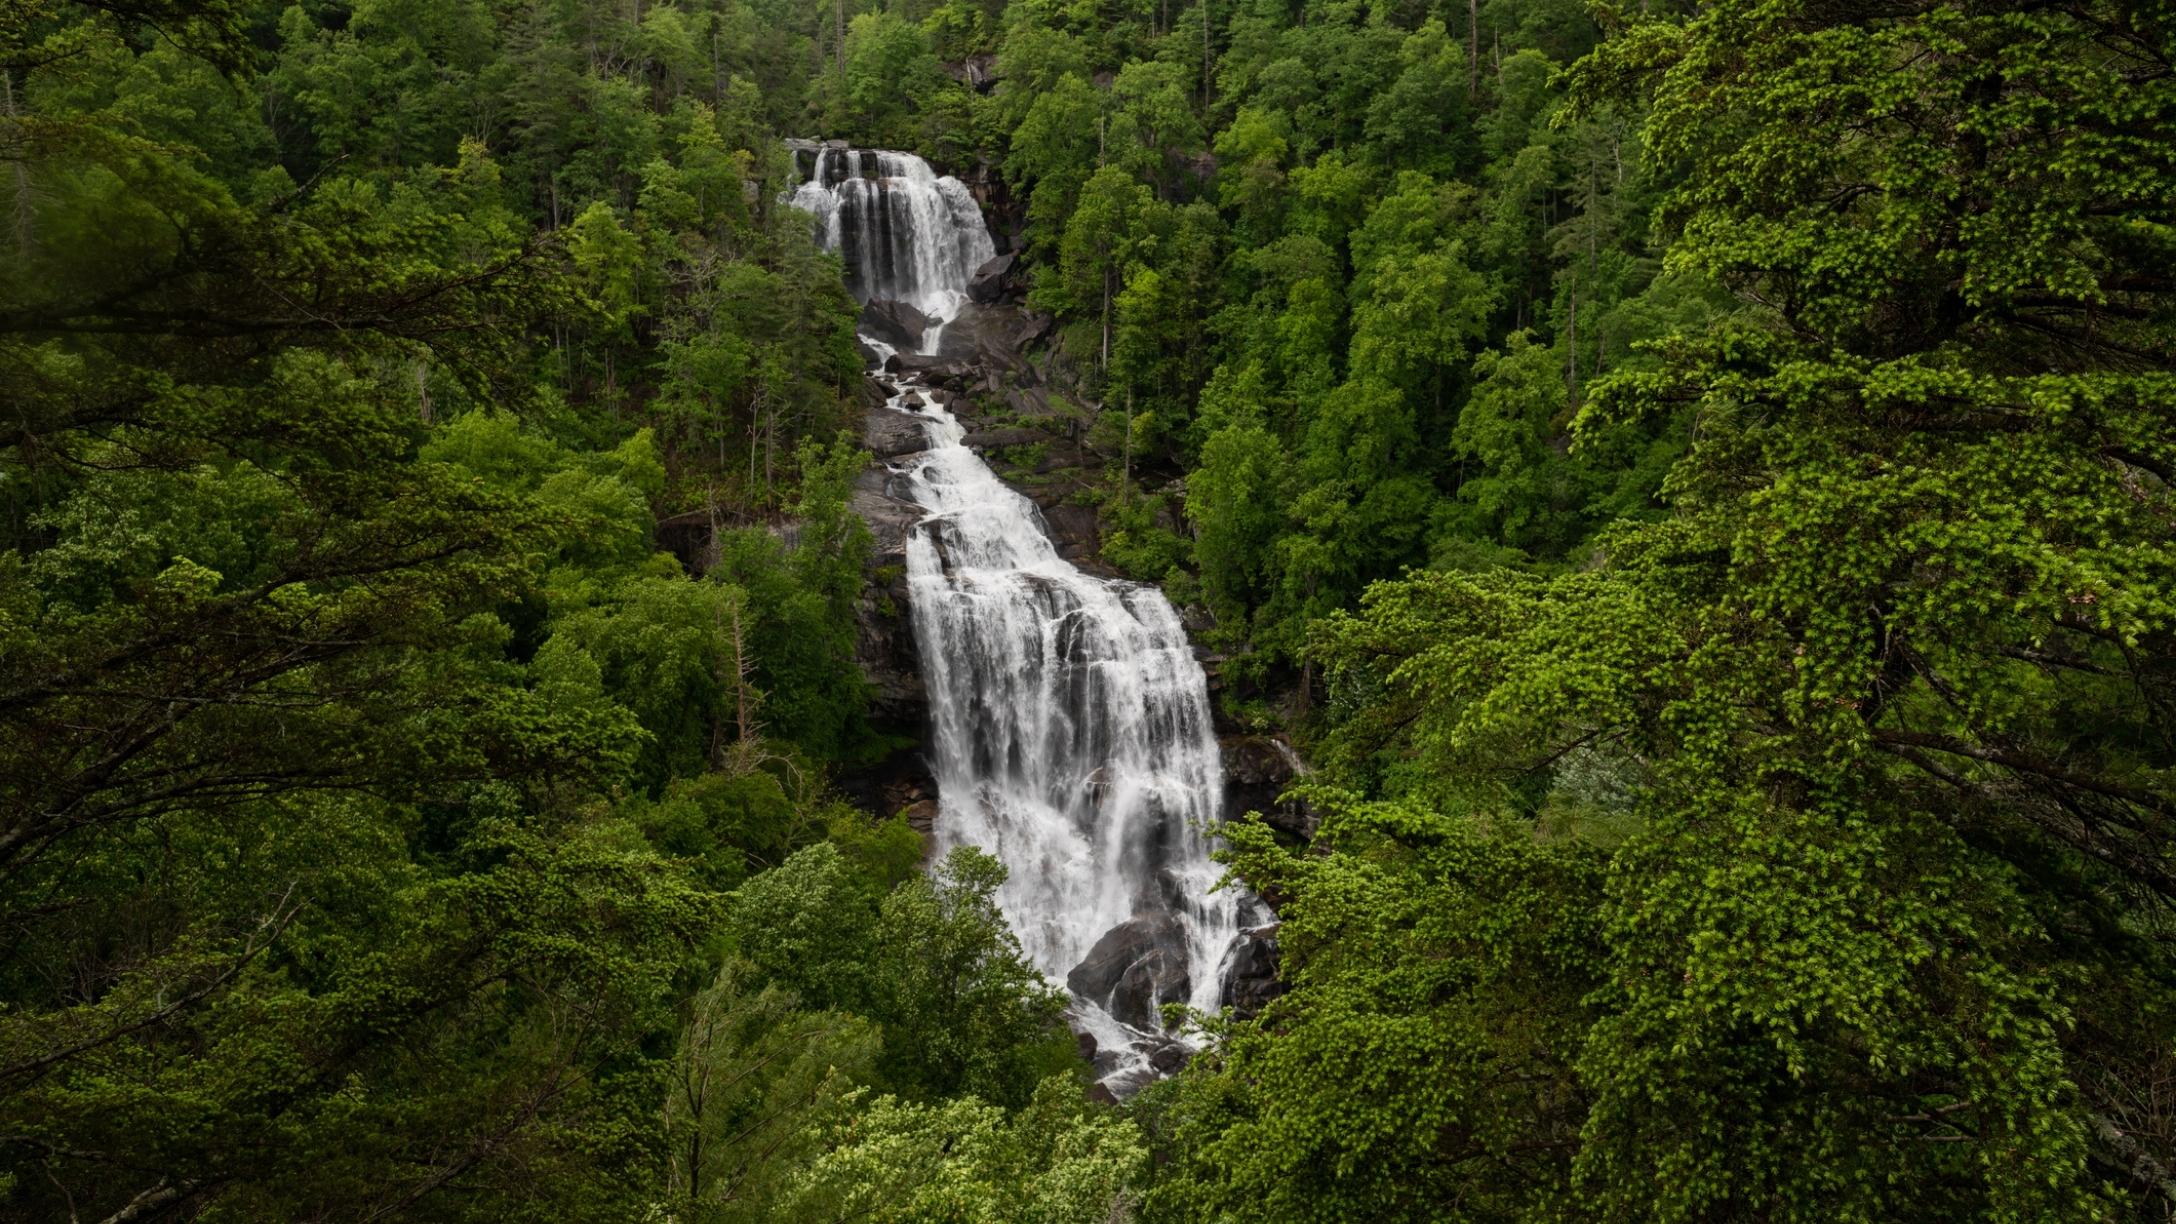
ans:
(1073, 736)
(904, 233)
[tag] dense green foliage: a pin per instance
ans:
(1803, 853)
(1755, 801)
(1697, 482)
(372, 787)
(1353, 275)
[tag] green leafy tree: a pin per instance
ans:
(1862, 726)
(1422, 1057)
(1108, 230)
(932, 960)
(754, 1089)
(964, 1011)
(1057, 1159)
(1529, 496)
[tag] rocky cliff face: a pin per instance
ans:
(1258, 769)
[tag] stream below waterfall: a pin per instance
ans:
(1071, 735)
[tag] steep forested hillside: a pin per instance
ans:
(372, 787)
(1696, 483)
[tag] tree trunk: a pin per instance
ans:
(1473, 51)
(1571, 348)
(1106, 366)
(1125, 484)
(770, 446)
(742, 715)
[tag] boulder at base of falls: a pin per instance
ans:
(1144, 1060)
(1250, 973)
(989, 284)
(1170, 1058)
(895, 323)
(1136, 967)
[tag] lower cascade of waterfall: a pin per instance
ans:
(1072, 729)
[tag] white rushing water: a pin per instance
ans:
(904, 232)
(1072, 728)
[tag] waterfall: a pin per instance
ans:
(1072, 730)
(904, 233)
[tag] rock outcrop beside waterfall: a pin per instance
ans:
(1258, 770)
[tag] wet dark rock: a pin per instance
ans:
(1134, 969)
(1087, 1045)
(1170, 1059)
(1198, 621)
(991, 283)
(976, 72)
(883, 631)
(991, 439)
(883, 787)
(903, 790)
(884, 646)
(1250, 973)
(895, 323)
(1257, 771)
(889, 519)
(932, 367)
(888, 435)
(922, 816)
(1252, 761)
(1102, 1095)
(1074, 529)
(981, 338)
(692, 537)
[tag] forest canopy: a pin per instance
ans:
(1695, 484)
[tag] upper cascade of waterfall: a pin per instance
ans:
(1072, 732)
(905, 232)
